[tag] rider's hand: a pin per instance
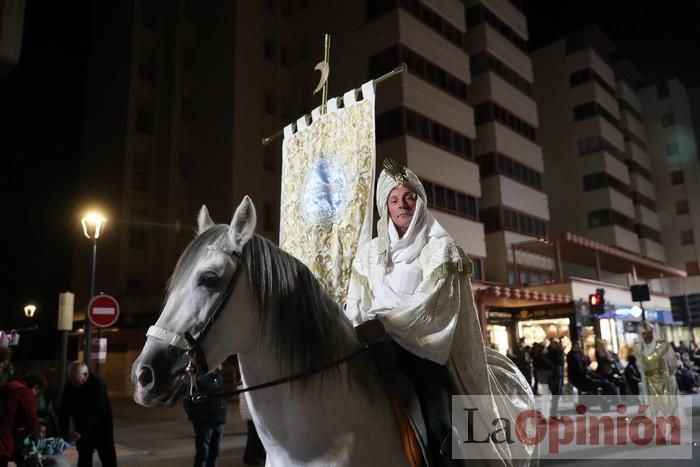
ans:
(370, 331)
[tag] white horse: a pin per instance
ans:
(279, 322)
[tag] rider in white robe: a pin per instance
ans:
(417, 286)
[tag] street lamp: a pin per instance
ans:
(93, 223)
(29, 311)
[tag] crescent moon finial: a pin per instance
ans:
(324, 68)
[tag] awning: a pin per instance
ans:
(573, 248)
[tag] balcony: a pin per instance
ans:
(501, 190)
(494, 137)
(485, 37)
(490, 86)
(651, 249)
(588, 58)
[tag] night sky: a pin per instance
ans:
(42, 101)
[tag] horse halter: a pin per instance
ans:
(197, 361)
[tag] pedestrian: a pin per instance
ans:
(555, 356)
(85, 402)
(18, 416)
(208, 417)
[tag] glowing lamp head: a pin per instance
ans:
(93, 223)
(29, 311)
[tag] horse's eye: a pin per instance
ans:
(208, 279)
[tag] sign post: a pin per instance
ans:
(103, 312)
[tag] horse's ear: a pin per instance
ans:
(243, 223)
(203, 220)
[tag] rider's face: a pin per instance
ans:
(648, 336)
(402, 206)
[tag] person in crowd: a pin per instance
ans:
(632, 375)
(687, 376)
(581, 375)
(208, 418)
(521, 357)
(18, 416)
(86, 403)
(555, 356)
(658, 365)
(608, 366)
(542, 367)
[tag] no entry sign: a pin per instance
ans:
(103, 311)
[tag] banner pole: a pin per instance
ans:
(396, 71)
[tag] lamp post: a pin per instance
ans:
(93, 223)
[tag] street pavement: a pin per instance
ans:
(164, 437)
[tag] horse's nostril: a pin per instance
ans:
(145, 376)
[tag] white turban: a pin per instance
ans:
(391, 248)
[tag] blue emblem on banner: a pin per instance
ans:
(324, 192)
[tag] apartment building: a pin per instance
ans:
(676, 168)
(513, 206)
(586, 176)
(646, 217)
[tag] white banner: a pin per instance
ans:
(327, 188)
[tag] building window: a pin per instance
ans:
(647, 232)
(597, 143)
(604, 217)
(692, 268)
(447, 199)
(490, 111)
(592, 109)
(627, 107)
(687, 237)
(672, 149)
(424, 14)
(484, 61)
(682, 207)
(497, 164)
(643, 200)
(636, 168)
(667, 120)
(604, 180)
(480, 14)
(401, 121)
(677, 177)
(588, 75)
(390, 58)
(500, 218)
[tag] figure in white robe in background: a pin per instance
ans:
(412, 281)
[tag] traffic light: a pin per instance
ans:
(596, 302)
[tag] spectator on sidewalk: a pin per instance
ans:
(85, 402)
(555, 356)
(17, 410)
(208, 418)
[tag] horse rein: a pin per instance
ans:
(197, 360)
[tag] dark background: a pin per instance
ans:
(41, 112)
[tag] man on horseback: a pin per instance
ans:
(408, 282)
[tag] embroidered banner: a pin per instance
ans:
(327, 188)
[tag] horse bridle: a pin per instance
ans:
(197, 361)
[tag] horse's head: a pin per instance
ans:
(206, 287)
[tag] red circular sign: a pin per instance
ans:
(103, 311)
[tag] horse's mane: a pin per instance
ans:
(306, 327)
